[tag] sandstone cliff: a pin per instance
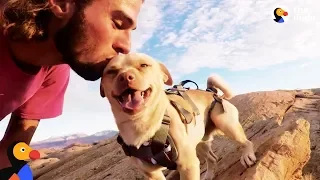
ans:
(283, 125)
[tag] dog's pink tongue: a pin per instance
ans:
(133, 100)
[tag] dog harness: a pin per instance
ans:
(161, 149)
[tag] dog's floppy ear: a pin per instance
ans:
(102, 91)
(167, 76)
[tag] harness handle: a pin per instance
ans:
(182, 83)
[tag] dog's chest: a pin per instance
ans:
(162, 149)
(159, 150)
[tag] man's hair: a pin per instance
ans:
(27, 19)
(24, 19)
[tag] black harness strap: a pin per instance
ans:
(160, 151)
(182, 83)
(217, 99)
(133, 151)
(214, 90)
(162, 140)
(161, 136)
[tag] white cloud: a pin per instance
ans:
(305, 65)
(241, 35)
(149, 20)
(169, 38)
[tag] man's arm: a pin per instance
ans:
(47, 102)
(19, 129)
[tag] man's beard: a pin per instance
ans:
(70, 37)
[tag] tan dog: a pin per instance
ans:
(134, 85)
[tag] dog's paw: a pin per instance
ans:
(248, 157)
(248, 160)
(208, 176)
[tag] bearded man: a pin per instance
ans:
(40, 40)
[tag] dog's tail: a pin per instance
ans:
(215, 81)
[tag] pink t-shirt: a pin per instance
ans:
(38, 96)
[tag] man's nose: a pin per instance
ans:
(127, 77)
(123, 43)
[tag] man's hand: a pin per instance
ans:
(18, 130)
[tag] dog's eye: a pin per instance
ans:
(112, 71)
(144, 65)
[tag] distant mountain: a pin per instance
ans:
(66, 140)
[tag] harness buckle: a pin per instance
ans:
(182, 83)
(196, 113)
(214, 90)
(180, 88)
(153, 161)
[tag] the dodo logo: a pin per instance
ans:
(18, 154)
(278, 14)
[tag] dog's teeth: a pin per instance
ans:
(142, 93)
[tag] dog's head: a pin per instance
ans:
(132, 82)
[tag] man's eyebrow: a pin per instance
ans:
(125, 16)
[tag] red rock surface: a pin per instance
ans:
(283, 125)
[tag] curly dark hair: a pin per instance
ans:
(25, 19)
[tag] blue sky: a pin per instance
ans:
(236, 39)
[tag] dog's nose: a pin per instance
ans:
(127, 76)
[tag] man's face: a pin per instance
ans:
(97, 32)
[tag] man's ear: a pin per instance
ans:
(102, 91)
(167, 76)
(62, 9)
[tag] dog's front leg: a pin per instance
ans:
(188, 164)
(204, 151)
(151, 172)
(155, 175)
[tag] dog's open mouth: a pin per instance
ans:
(132, 100)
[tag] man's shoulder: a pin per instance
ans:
(59, 72)
(58, 69)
